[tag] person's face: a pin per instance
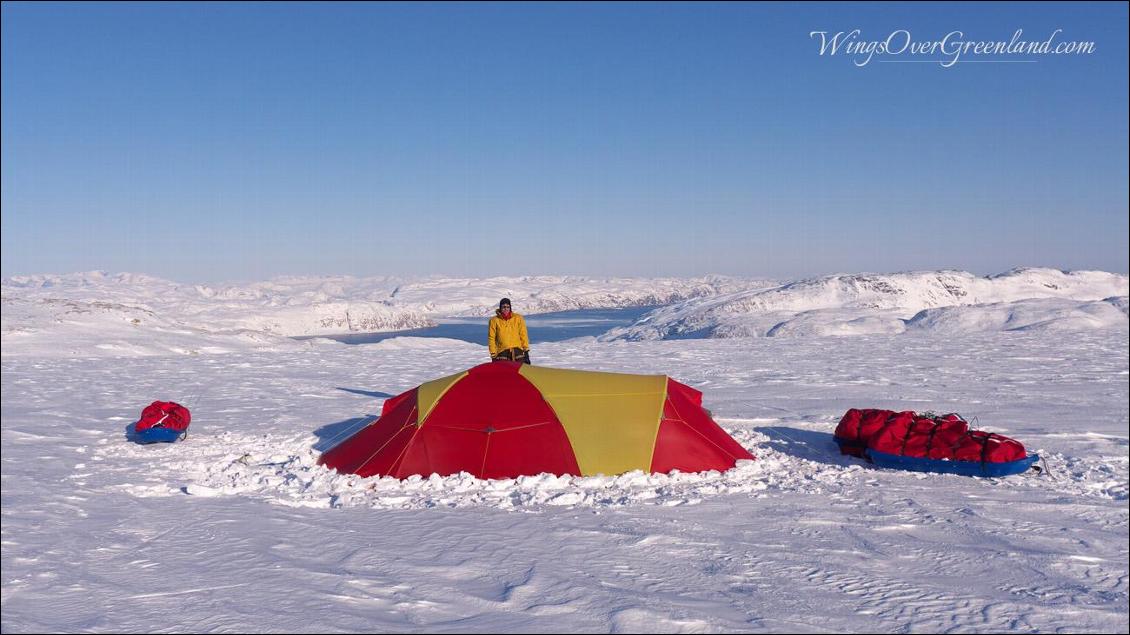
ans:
(506, 309)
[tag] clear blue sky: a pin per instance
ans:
(212, 142)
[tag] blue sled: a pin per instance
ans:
(965, 468)
(159, 435)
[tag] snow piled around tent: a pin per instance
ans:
(232, 464)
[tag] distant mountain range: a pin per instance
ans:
(96, 313)
(950, 301)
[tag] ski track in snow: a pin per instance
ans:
(238, 529)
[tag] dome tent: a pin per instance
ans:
(507, 419)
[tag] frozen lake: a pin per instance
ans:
(545, 327)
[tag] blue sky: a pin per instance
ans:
(212, 142)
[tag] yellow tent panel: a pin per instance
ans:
(428, 394)
(611, 419)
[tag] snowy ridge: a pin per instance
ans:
(134, 310)
(52, 327)
(1045, 314)
(130, 314)
(547, 294)
(100, 314)
(889, 303)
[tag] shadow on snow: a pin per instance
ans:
(368, 393)
(806, 444)
(332, 434)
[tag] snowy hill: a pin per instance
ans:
(890, 303)
(547, 294)
(132, 314)
(285, 306)
(1030, 315)
(52, 327)
(95, 313)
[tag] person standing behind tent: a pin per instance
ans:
(507, 338)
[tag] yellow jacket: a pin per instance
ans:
(503, 334)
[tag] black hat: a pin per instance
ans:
(503, 302)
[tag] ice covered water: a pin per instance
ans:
(545, 327)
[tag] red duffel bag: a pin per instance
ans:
(988, 447)
(892, 436)
(857, 427)
(164, 414)
(948, 433)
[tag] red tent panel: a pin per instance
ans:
(362, 447)
(494, 397)
(679, 447)
(394, 402)
(492, 423)
(679, 407)
(690, 394)
(444, 451)
(386, 460)
(530, 450)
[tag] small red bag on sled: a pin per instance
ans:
(162, 422)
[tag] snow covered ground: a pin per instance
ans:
(238, 529)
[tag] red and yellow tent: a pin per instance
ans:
(506, 419)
